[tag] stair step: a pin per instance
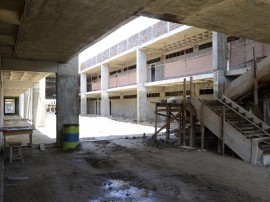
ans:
(243, 125)
(231, 115)
(264, 147)
(253, 132)
(257, 137)
(249, 128)
(238, 122)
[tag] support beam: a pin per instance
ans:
(28, 65)
(219, 62)
(67, 103)
(83, 81)
(105, 103)
(141, 90)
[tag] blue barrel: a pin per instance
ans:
(71, 136)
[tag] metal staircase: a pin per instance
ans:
(243, 132)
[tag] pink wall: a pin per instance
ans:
(241, 54)
(194, 65)
(96, 86)
(128, 78)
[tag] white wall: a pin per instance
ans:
(124, 108)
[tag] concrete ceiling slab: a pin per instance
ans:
(58, 30)
(17, 82)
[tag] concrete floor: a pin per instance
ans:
(132, 168)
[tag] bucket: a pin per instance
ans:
(71, 136)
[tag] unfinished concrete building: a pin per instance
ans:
(38, 38)
(151, 66)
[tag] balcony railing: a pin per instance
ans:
(123, 79)
(96, 86)
(148, 34)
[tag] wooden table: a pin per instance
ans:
(9, 131)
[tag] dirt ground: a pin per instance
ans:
(131, 167)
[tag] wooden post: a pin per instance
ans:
(184, 113)
(191, 135)
(191, 87)
(168, 115)
(184, 92)
(222, 131)
(256, 102)
(202, 126)
(180, 133)
(156, 120)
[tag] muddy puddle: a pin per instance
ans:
(120, 190)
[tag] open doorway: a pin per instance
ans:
(11, 106)
(25, 106)
(153, 72)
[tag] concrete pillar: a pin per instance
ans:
(39, 108)
(141, 90)
(219, 62)
(21, 105)
(105, 103)
(1, 106)
(28, 104)
(67, 100)
(83, 80)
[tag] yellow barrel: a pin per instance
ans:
(71, 136)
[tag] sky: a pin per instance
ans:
(117, 36)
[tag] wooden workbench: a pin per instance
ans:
(10, 131)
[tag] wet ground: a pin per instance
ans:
(127, 167)
(134, 169)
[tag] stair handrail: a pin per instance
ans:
(245, 111)
(261, 129)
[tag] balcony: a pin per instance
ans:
(122, 79)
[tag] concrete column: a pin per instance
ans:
(39, 108)
(28, 104)
(219, 62)
(141, 90)
(67, 100)
(21, 105)
(105, 102)
(1, 106)
(83, 80)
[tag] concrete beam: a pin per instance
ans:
(9, 16)
(7, 40)
(28, 65)
(14, 92)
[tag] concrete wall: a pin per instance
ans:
(240, 52)
(124, 108)
(127, 107)
(91, 107)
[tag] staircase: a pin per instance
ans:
(243, 132)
